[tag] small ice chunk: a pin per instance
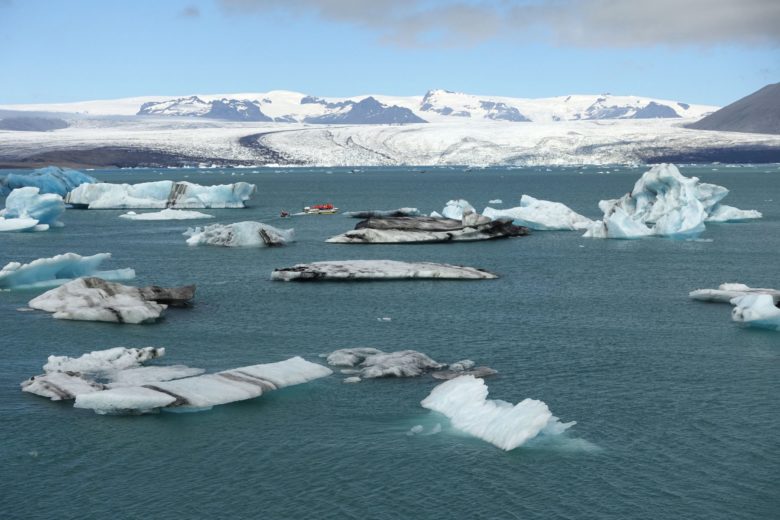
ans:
(415, 430)
(166, 214)
(495, 201)
(455, 209)
(353, 379)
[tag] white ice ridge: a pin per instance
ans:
(374, 213)
(541, 215)
(240, 234)
(94, 299)
(378, 270)
(26, 209)
(756, 310)
(166, 214)
(159, 195)
(204, 391)
(728, 291)
(665, 203)
(464, 401)
(57, 270)
(370, 363)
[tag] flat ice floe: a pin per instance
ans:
(665, 203)
(728, 291)
(166, 214)
(541, 215)
(57, 270)
(51, 179)
(428, 229)
(378, 270)
(240, 234)
(159, 195)
(464, 401)
(376, 213)
(94, 299)
(371, 363)
(756, 310)
(26, 209)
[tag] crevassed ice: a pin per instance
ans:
(464, 401)
(57, 270)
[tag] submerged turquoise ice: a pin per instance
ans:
(676, 405)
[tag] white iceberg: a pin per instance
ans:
(159, 195)
(455, 209)
(370, 363)
(464, 401)
(726, 292)
(57, 270)
(756, 310)
(166, 214)
(378, 270)
(50, 179)
(204, 391)
(665, 203)
(541, 215)
(25, 205)
(240, 234)
(100, 362)
(94, 299)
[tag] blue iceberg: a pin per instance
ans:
(51, 179)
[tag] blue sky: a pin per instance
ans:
(54, 51)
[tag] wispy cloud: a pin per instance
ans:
(588, 23)
(190, 12)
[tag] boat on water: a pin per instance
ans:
(321, 209)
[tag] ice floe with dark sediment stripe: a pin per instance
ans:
(240, 234)
(377, 213)
(160, 195)
(378, 270)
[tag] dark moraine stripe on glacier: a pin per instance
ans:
(730, 155)
(265, 154)
(180, 400)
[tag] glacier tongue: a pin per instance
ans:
(464, 401)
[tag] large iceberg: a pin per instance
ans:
(49, 180)
(28, 209)
(240, 234)
(94, 299)
(464, 401)
(541, 215)
(57, 270)
(428, 229)
(665, 203)
(378, 270)
(159, 195)
(166, 214)
(377, 213)
(728, 291)
(756, 310)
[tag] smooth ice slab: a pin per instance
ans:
(94, 299)
(159, 195)
(542, 215)
(49, 180)
(728, 291)
(240, 234)
(204, 391)
(166, 214)
(464, 401)
(57, 270)
(378, 270)
(19, 224)
(390, 213)
(756, 310)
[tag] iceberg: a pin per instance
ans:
(94, 299)
(455, 209)
(378, 270)
(726, 292)
(756, 310)
(24, 205)
(400, 212)
(160, 195)
(57, 270)
(464, 401)
(166, 214)
(428, 229)
(48, 180)
(203, 391)
(240, 234)
(541, 215)
(665, 203)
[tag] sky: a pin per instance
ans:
(696, 51)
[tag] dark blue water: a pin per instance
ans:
(676, 406)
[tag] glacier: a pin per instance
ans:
(94, 299)
(664, 203)
(25, 205)
(541, 215)
(378, 270)
(57, 270)
(50, 179)
(166, 214)
(160, 195)
(239, 234)
(756, 310)
(464, 401)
